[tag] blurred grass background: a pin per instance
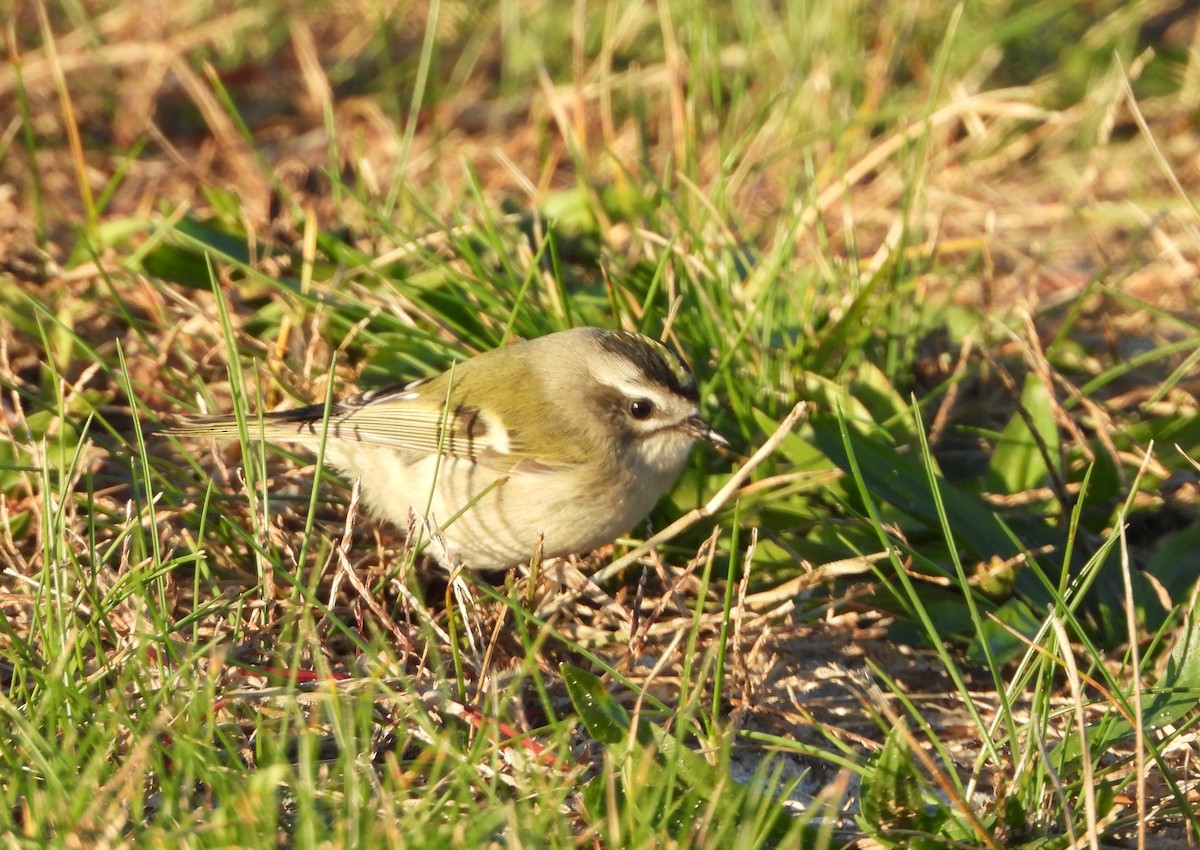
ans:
(955, 605)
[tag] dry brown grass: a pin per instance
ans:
(1024, 209)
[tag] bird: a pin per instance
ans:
(566, 441)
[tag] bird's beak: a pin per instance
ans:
(701, 430)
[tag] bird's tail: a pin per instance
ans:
(302, 425)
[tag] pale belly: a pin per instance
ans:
(492, 521)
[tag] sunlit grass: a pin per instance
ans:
(953, 605)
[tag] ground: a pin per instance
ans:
(984, 257)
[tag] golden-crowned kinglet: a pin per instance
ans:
(572, 436)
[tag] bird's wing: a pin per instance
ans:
(402, 419)
(396, 417)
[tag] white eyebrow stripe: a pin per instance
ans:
(636, 388)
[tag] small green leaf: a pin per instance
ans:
(872, 387)
(1013, 616)
(800, 454)
(1016, 816)
(603, 716)
(1106, 798)
(178, 265)
(1179, 688)
(826, 395)
(1018, 462)
(696, 773)
(225, 243)
(1172, 562)
(571, 210)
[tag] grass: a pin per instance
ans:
(951, 606)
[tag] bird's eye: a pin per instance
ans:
(641, 408)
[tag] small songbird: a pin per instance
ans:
(571, 437)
